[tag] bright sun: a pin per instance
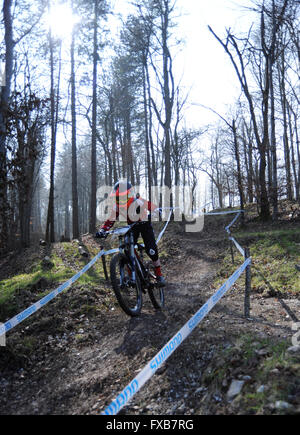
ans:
(61, 20)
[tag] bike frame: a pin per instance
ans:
(127, 247)
(141, 277)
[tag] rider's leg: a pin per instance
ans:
(151, 249)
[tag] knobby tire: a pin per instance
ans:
(156, 294)
(120, 264)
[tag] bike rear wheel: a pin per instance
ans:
(128, 294)
(156, 293)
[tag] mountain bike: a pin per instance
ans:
(131, 275)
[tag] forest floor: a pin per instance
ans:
(78, 352)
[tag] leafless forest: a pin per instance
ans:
(80, 112)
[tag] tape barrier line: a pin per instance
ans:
(238, 246)
(19, 318)
(148, 371)
(112, 251)
(227, 228)
(234, 220)
(164, 228)
(14, 321)
(218, 213)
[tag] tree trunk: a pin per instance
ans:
(295, 153)
(93, 205)
(273, 147)
(168, 98)
(248, 155)
(67, 218)
(239, 171)
(50, 229)
(287, 157)
(153, 162)
(75, 220)
(148, 161)
(4, 101)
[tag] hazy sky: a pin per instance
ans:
(207, 67)
(203, 65)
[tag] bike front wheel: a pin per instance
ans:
(128, 293)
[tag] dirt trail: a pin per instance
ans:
(79, 362)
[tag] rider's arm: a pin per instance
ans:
(151, 206)
(108, 224)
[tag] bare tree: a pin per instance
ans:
(75, 221)
(93, 202)
(236, 55)
(50, 226)
(159, 16)
(4, 101)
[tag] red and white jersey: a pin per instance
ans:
(136, 210)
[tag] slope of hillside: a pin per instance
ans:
(78, 352)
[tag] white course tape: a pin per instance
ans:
(238, 246)
(219, 213)
(164, 228)
(234, 220)
(14, 321)
(112, 251)
(148, 371)
(227, 229)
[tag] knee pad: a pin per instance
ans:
(153, 254)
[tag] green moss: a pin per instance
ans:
(266, 361)
(274, 254)
(255, 402)
(40, 280)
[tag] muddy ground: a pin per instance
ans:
(75, 355)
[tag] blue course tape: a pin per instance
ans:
(148, 371)
(14, 321)
(227, 229)
(164, 228)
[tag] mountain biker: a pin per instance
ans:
(134, 209)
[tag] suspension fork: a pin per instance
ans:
(135, 261)
(125, 249)
(132, 255)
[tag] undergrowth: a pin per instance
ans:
(30, 286)
(274, 255)
(270, 373)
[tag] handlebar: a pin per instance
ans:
(124, 230)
